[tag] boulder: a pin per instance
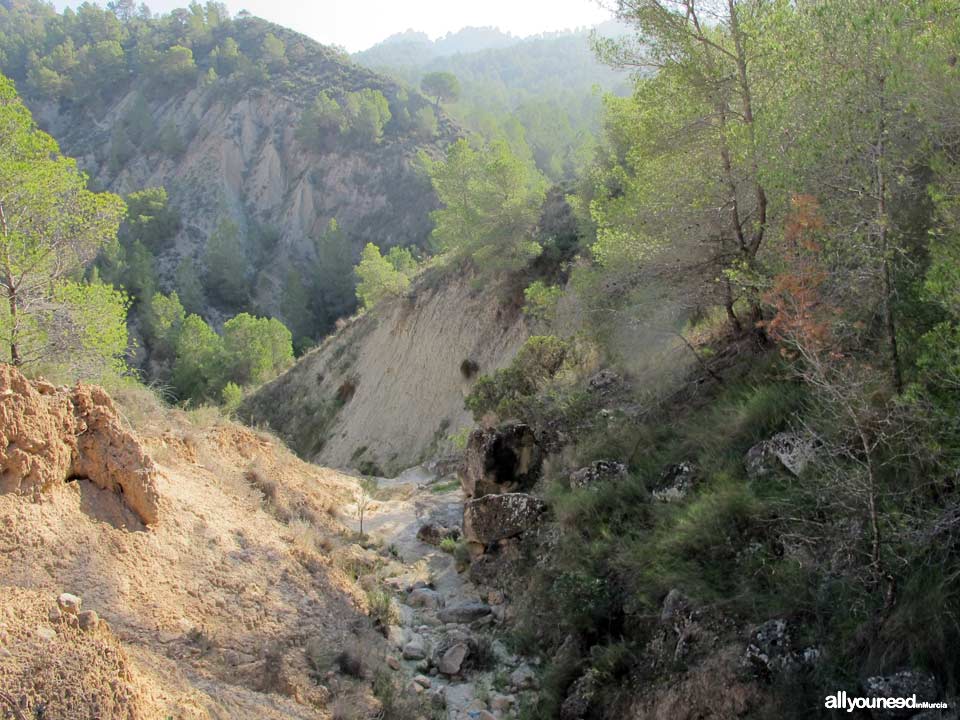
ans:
(466, 613)
(904, 683)
(425, 598)
(790, 451)
(48, 437)
(676, 482)
(502, 460)
(597, 472)
(498, 517)
(69, 603)
(435, 534)
(675, 606)
(89, 620)
(453, 658)
(415, 649)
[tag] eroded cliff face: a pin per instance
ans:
(389, 387)
(242, 160)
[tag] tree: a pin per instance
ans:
(443, 86)
(198, 368)
(425, 123)
(51, 227)
(189, 286)
(274, 52)
(692, 135)
(150, 219)
(323, 120)
(228, 268)
(378, 277)
(163, 321)
(366, 112)
(333, 278)
(255, 349)
(176, 68)
(491, 201)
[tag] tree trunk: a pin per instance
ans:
(12, 298)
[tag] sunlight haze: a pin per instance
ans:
(358, 25)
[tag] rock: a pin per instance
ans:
(453, 658)
(496, 597)
(496, 517)
(523, 678)
(676, 482)
(502, 703)
(54, 615)
(604, 382)
(502, 460)
(435, 534)
(900, 684)
(786, 450)
(674, 606)
(397, 636)
(393, 663)
(48, 438)
(486, 715)
(425, 598)
(46, 633)
(597, 472)
(89, 620)
(466, 613)
(69, 603)
(579, 700)
(415, 649)
(770, 649)
(422, 681)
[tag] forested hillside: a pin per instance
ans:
(543, 94)
(256, 162)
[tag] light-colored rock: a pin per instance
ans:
(502, 703)
(453, 658)
(676, 483)
(46, 439)
(597, 472)
(900, 684)
(422, 681)
(397, 636)
(393, 663)
(46, 633)
(787, 450)
(415, 648)
(69, 603)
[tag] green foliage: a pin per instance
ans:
(175, 68)
(53, 227)
(490, 205)
(380, 278)
(365, 114)
(198, 368)
(255, 349)
(90, 339)
(321, 122)
(443, 86)
(509, 392)
(189, 286)
(150, 219)
(230, 398)
(541, 300)
(164, 320)
(228, 269)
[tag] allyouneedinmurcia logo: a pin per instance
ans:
(842, 701)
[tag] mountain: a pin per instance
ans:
(215, 110)
(537, 91)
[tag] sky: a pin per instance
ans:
(358, 24)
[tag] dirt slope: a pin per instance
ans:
(206, 611)
(387, 388)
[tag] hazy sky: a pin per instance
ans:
(358, 24)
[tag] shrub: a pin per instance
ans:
(382, 610)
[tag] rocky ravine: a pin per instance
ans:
(444, 637)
